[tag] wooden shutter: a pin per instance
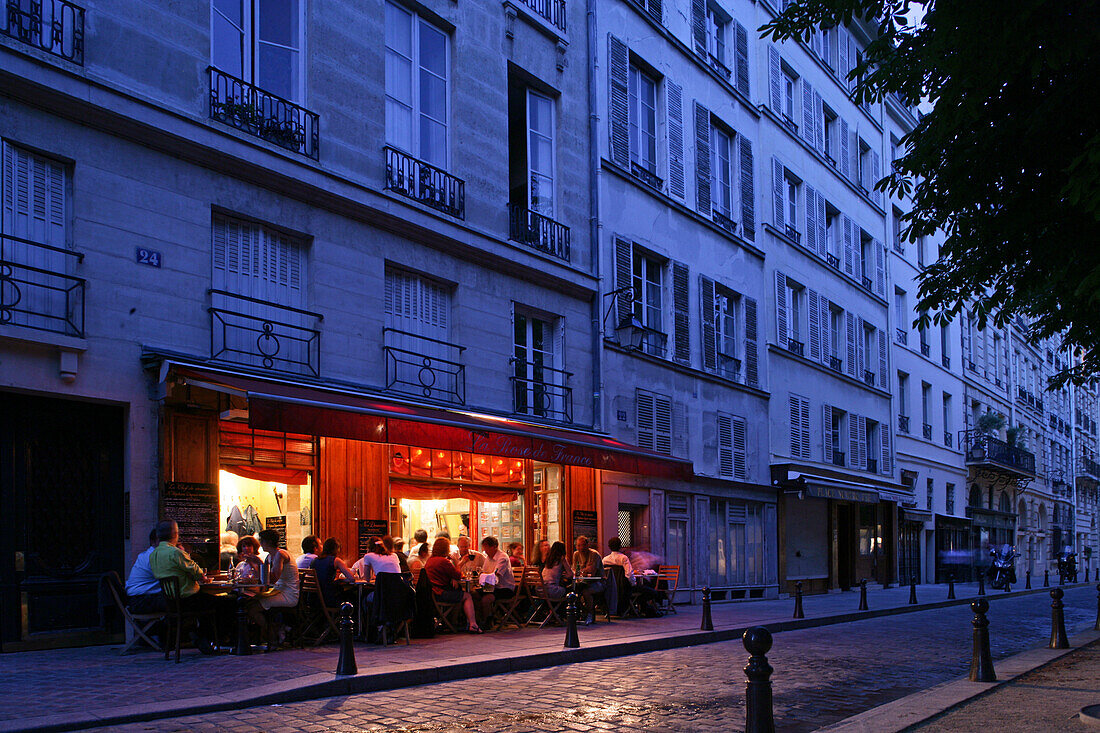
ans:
(843, 65)
(706, 316)
(861, 423)
(850, 326)
(740, 449)
(822, 242)
(811, 222)
(653, 7)
(883, 351)
(845, 144)
(876, 174)
(815, 325)
(880, 267)
(643, 403)
(781, 309)
(853, 439)
(853, 161)
(861, 349)
(679, 434)
(885, 463)
(725, 445)
(808, 126)
(849, 247)
(748, 189)
(699, 27)
(827, 431)
(819, 122)
(618, 100)
(662, 424)
(702, 159)
(624, 276)
(752, 371)
(34, 203)
(675, 105)
(681, 321)
(775, 87)
(804, 424)
(966, 345)
(826, 329)
(777, 194)
(794, 410)
(741, 58)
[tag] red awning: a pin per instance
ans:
(315, 410)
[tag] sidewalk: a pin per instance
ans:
(75, 688)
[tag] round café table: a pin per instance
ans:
(242, 593)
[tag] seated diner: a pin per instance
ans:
(446, 582)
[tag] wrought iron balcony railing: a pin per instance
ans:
(424, 367)
(902, 336)
(869, 377)
(729, 367)
(903, 423)
(541, 391)
(948, 438)
(268, 116)
(946, 361)
(872, 465)
(836, 364)
(926, 430)
(793, 234)
(718, 66)
(55, 26)
(724, 221)
(838, 457)
(37, 290)
(646, 176)
(1090, 468)
(258, 333)
(833, 260)
(538, 231)
(982, 448)
(925, 349)
(552, 10)
(425, 183)
(971, 368)
(796, 347)
(867, 284)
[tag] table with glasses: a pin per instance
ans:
(242, 592)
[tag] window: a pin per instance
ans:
(925, 402)
(654, 421)
(836, 329)
(717, 37)
(643, 119)
(870, 440)
(829, 46)
(418, 319)
(790, 196)
(538, 379)
(903, 395)
(540, 153)
(260, 43)
(870, 341)
(788, 82)
(722, 165)
(647, 280)
(799, 411)
(794, 295)
(731, 446)
(901, 308)
(864, 171)
(947, 419)
(417, 79)
(834, 435)
(830, 145)
(899, 245)
(737, 541)
(945, 344)
(920, 252)
(867, 259)
(726, 305)
(950, 498)
(833, 236)
(628, 521)
(930, 495)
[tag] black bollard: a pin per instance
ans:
(759, 717)
(345, 665)
(1046, 578)
(950, 586)
(912, 590)
(572, 640)
(1027, 585)
(981, 583)
(1096, 626)
(863, 595)
(798, 613)
(981, 661)
(708, 622)
(1058, 638)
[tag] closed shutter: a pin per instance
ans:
(804, 424)
(699, 27)
(777, 194)
(857, 250)
(752, 371)
(850, 326)
(706, 316)
(861, 423)
(256, 262)
(662, 424)
(675, 104)
(880, 267)
(740, 449)
(653, 7)
(883, 350)
(679, 434)
(826, 329)
(853, 160)
(775, 86)
(702, 159)
(748, 189)
(619, 114)
(643, 404)
(624, 274)
(966, 346)
(886, 464)
(849, 246)
(781, 309)
(815, 325)
(725, 445)
(794, 411)
(853, 439)
(741, 58)
(845, 144)
(681, 321)
(844, 65)
(822, 242)
(809, 129)
(827, 431)
(819, 122)
(811, 222)
(861, 349)
(876, 174)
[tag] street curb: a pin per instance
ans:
(317, 686)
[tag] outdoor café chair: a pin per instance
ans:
(394, 605)
(319, 620)
(668, 580)
(176, 616)
(540, 598)
(506, 611)
(141, 623)
(620, 596)
(446, 612)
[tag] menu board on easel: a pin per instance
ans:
(585, 523)
(194, 507)
(279, 525)
(370, 528)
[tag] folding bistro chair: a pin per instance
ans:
(540, 599)
(141, 623)
(621, 597)
(446, 612)
(506, 611)
(393, 605)
(668, 579)
(176, 616)
(318, 617)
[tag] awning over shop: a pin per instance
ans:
(324, 411)
(823, 484)
(839, 493)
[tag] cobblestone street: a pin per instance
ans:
(823, 675)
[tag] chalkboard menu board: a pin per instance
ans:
(371, 528)
(585, 523)
(194, 507)
(279, 525)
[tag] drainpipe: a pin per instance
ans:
(594, 226)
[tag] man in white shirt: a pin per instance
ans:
(311, 548)
(616, 557)
(497, 563)
(142, 587)
(468, 559)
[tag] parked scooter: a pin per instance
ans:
(1002, 573)
(1067, 565)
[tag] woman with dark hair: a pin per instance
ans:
(420, 559)
(556, 571)
(328, 566)
(538, 557)
(445, 582)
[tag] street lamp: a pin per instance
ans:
(630, 332)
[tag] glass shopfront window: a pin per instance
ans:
(736, 539)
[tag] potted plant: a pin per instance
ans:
(1013, 436)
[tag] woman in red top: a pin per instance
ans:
(445, 582)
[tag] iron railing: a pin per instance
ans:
(793, 234)
(259, 333)
(838, 457)
(55, 26)
(268, 116)
(902, 336)
(833, 260)
(926, 430)
(925, 349)
(724, 221)
(903, 423)
(424, 366)
(796, 347)
(655, 343)
(948, 438)
(541, 391)
(869, 377)
(729, 367)
(718, 66)
(983, 448)
(867, 284)
(420, 181)
(872, 465)
(1090, 468)
(946, 361)
(646, 176)
(971, 367)
(36, 289)
(538, 231)
(552, 10)
(836, 364)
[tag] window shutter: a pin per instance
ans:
(559, 349)
(861, 349)
(777, 194)
(702, 159)
(883, 350)
(851, 338)
(662, 424)
(811, 222)
(826, 329)
(853, 162)
(808, 126)
(775, 72)
(679, 434)
(740, 449)
(748, 189)
(853, 439)
(741, 58)
(844, 159)
(861, 423)
(781, 309)
(752, 372)
(699, 27)
(849, 246)
(624, 274)
(815, 326)
(880, 267)
(966, 346)
(819, 122)
(725, 445)
(681, 322)
(804, 410)
(795, 416)
(34, 205)
(645, 425)
(827, 431)
(885, 463)
(876, 174)
(674, 100)
(706, 315)
(653, 7)
(822, 242)
(844, 65)
(619, 114)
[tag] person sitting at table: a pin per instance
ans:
(392, 549)
(420, 539)
(497, 563)
(468, 560)
(542, 551)
(445, 580)
(378, 559)
(168, 561)
(329, 567)
(227, 553)
(556, 572)
(647, 596)
(250, 565)
(311, 547)
(515, 554)
(417, 561)
(282, 574)
(587, 563)
(142, 587)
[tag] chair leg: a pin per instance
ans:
(167, 638)
(179, 631)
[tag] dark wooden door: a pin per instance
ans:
(62, 525)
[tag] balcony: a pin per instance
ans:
(724, 221)
(646, 176)
(869, 377)
(867, 284)
(551, 10)
(729, 367)
(902, 336)
(971, 368)
(541, 391)
(990, 452)
(836, 364)
(424, 183)
(265, 335)
(926, 431)
(948, 438)
(719, 66)
(946, 361)
(838, 458)
(796, 347)
(833, 260)
(538, 232)
(36, 289)
(793, 234)
(1088, 468)
(269, 117)
(54, 26)
(872, 465)
(925, 349)
(424, 367)
(903, 423)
